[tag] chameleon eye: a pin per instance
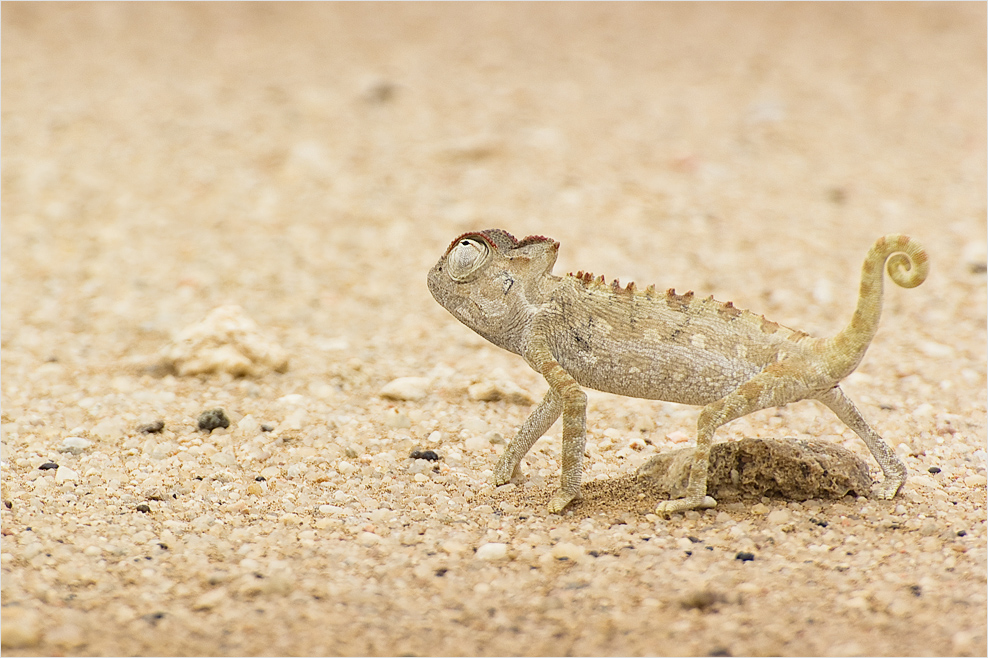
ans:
(466, 258)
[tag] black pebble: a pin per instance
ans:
(260, 478)
(48, 466)
(822, 524)
(267, 428)
(934, 469)
(720, 651)
(962, 533)
(745, 556)
(152, 428)
(916, 590)
(210, 420)
(695, 540)
(429, 455)
(143, 507)
(441, 571)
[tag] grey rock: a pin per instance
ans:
(792, 469)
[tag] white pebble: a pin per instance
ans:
(406, 388)
(567, 551)
(65, 473)
(975, 481)
(492, 551)
(778, 516)
(75, 444)
(223, 459)
(368, 539)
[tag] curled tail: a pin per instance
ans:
(907, 265)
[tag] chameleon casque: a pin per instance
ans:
(580, 331)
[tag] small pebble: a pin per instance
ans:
(267, 428)
(744, 556)
(429, 455)
(65, 473)
(934, 469)
(48, 466)
(405, 388)
(143, 507)
(75, 444)
(492, 551)
(213, 418)
(153, 427)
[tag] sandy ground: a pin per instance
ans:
(311, 162)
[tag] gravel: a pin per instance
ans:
(309, 163)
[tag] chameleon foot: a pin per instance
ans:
(683, 504)
(505, 473)
(886, 490)
(561, 499)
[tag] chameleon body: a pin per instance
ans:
(579, 331)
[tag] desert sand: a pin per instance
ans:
(308, 163)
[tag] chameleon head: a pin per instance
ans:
(491, 282)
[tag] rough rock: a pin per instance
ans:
(792, 469)
(225, 341)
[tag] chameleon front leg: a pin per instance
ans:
(892, 466)
(567, 397)
(535, 426)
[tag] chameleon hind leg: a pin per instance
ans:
(775, 386)
(892, 466)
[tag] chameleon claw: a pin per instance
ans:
(683, 504)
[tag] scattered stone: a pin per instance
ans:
(406, 388)
(792, 469)
(496, 391)
(567, 551)
(822, 524)
(225, 341)
(48, 466)
(213, 418)
(143, 507)
(744, 556)
(153, 427)
(75, 445)
(429, 455)
(934, 469)
(267, 428)
(492, 551)
(64, 474)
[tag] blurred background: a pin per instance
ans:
(312, 161)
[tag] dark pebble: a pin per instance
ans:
(152, 428)
(143, 507)
(934, 469)
(744, 556)
(916, 590)
(48, 466)
(441, 571)
(962, 533)
(720, 651)
(429, 455)
(695, 540)
(267, 428)
(210, 420)
(260, 478)
(822, 524)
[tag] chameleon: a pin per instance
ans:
(579, 331)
